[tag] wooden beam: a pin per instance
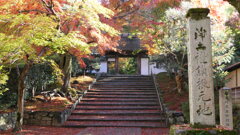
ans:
(117, 64)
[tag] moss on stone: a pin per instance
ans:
(198, 125)
(197, 13)
(176, 130)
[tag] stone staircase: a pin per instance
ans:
(119, 101)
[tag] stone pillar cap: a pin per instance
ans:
(198, 13)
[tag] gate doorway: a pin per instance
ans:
(129, 58)
(127, 65)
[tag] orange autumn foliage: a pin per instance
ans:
(92, 25)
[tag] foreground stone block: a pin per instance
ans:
(187, 130)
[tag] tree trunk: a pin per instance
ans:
(33, 91)
(179, 81)
(66, 66)
(84, 72)
(21, 92)
(17, 70)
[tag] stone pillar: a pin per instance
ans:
(225, 107)
(144, 66)
(103, 67)
(201, 93)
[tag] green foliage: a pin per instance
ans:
(72, 92)
(76, 69)
(234, 29)
(219, 77)
(8, 100)
(127, 66)
(236, 118)
(111, 67)
(186, 111)
(40, 76)
(19, 32)
(199, 125)
(170, 39)
(3, 80)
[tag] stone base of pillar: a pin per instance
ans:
(187, 130)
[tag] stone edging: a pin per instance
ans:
(48, 118)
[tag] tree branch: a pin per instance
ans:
(126, 14)
(34, 10)
(49, 7)
(42, 51)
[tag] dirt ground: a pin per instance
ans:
(170, 95)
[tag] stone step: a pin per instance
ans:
(119, 111)
(117, 104)
(120, 75)
(120, 96)
(115, 118)
(107, 113)
(120, 102)
(120, 99)
(93, 90)
(126, 77)
(115, 88)
(78, 124)
(105, 100)
(124, 86)
(124, 80)
(124, 83)
(79, 107)
(121, 93)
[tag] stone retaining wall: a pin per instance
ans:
(7, 120)
(44, 118)
(48, 118)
